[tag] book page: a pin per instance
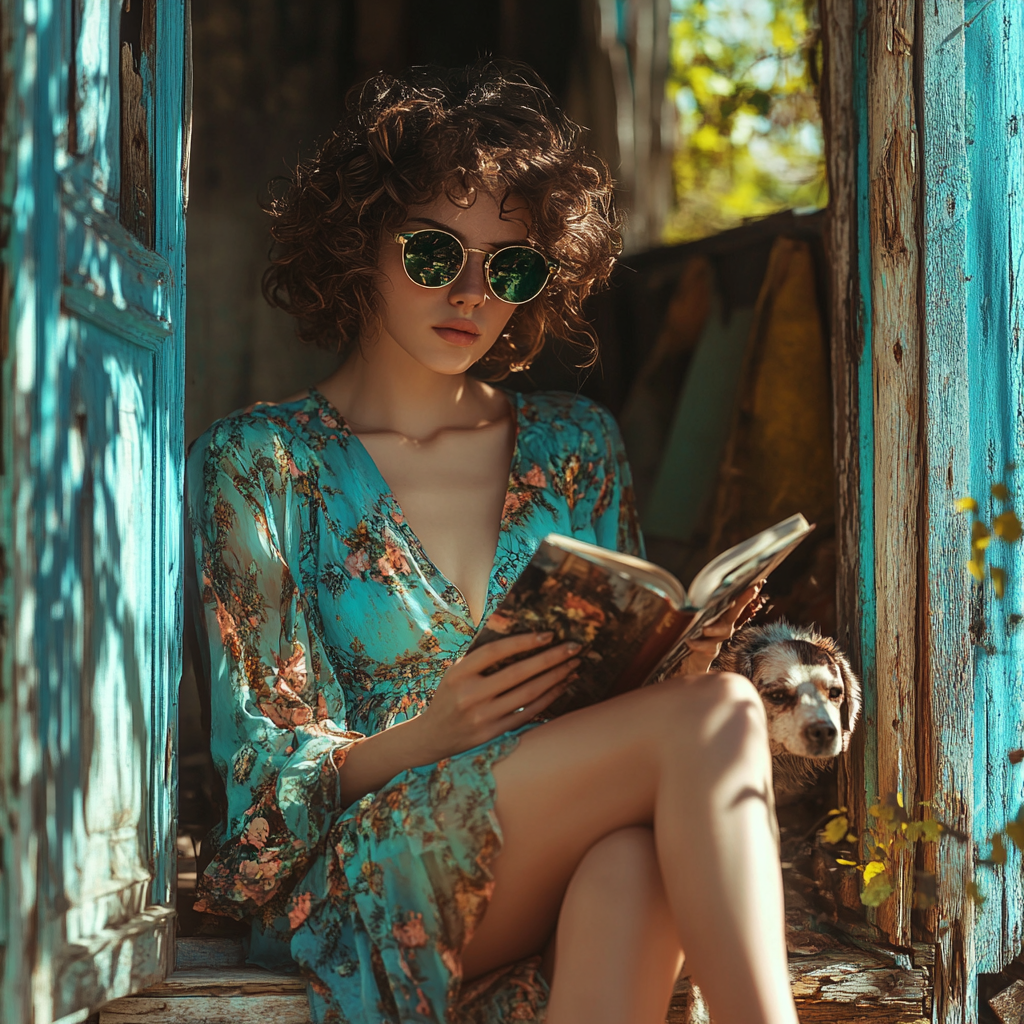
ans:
(744, 562)
(637, 569)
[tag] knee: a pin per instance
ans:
(624, 865)
(722, 710)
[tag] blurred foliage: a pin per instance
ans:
(1006, 526)
(743, 85)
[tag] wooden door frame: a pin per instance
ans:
(899, 134)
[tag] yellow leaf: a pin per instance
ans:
(975, 894)
(1008, 527)
(877, 891)
(930, 830)
(876, 867)
(836, 810)
(851, 838)
(977, 566)
(980, 536)
(846, 863)
(836, 829)
(998, 580)
(1000, 491)
(966, 505)
(899, 799)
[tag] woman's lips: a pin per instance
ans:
(457, 336)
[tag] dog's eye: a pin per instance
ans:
(836, 692)
(777, 696)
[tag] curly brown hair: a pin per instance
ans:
(491, 126)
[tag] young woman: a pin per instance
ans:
(397, 824)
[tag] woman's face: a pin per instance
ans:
(448, 329)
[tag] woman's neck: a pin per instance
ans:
(381, 388)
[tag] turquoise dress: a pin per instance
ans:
(327, 622)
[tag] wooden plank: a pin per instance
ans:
(994, 133)
(947, 735)
(847, 348)
(264, 1009)
(893, 163)
(239, 981)
(837, 987)
(1008, 1005)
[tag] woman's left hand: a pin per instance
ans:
(705, 648)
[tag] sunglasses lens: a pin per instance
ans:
(517, 274)
(433, 258)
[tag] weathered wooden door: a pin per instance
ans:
(926, 107)
(91, 327)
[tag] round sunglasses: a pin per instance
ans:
(434, 259)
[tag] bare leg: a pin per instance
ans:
(617, 952)
(690, 758)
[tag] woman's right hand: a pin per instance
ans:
(469, 708)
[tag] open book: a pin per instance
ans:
(632, 617)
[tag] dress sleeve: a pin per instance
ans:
(278, 734)
(614, 518)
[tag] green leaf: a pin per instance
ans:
(877, 890)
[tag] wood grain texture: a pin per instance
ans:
(264, 1009)
(893, 161)
(240, 981)
(847, 350)
(1008, 1005)
(946, 741)
(838, 987)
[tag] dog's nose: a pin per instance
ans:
(820, 734)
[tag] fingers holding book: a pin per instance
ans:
(706, 647)
(497, 687)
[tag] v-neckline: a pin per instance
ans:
(514, 399)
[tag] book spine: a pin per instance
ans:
(659, 643)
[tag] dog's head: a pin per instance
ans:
(809, 691)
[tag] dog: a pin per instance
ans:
(810, 694)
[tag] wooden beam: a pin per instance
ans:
(945, 702)
(893, 208)
(847, 350)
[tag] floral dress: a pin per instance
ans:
(327, 622)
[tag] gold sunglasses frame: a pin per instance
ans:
(404, 236)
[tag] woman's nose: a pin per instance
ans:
(470, 287)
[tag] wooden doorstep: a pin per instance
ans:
(848, 986)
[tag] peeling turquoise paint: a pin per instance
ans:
(994, 87)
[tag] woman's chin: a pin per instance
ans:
(442, 357)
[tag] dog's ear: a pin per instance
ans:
(849, 711)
